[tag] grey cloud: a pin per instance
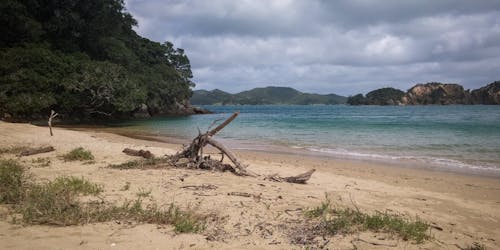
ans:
(344, 47)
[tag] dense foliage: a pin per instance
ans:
(260, 96)
(383, 96)
(82, 59)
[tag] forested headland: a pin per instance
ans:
(84, 60)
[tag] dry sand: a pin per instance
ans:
(467, 208)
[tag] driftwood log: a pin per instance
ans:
(34, 151)
(301, 178)
(142, 153)
(192, 157)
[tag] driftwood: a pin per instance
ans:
(193, 154)
(53, 115)
(34, 151)
(202, 187)
(192, 157)
(301, 178)
(142, 153)
(243, 194)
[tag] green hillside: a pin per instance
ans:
(263, 96)
(84, 60)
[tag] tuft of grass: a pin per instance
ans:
(75, 185)
(143, 193)
(12, 181)
(346, 220)
(141, 164)
(183, 221)
(78, 154)
(41, 161)
(320, 210)
(475, 246)
(56, 202)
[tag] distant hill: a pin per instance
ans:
(262, 96)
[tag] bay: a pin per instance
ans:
(464, 138)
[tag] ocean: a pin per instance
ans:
(455, 138)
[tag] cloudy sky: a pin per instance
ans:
(344, 47)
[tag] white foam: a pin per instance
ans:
(450, 163)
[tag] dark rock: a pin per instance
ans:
(489, 94)
(141, 112)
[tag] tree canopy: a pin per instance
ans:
(83, 59)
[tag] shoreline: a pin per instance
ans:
(285, 150)
(387, 171)
(463, 207)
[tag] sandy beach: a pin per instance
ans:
(461, 209)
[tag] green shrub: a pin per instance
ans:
(58, 202)
(12, 181)
(78, 154)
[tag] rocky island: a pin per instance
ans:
(433, 93)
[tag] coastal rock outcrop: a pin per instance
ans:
(436, 93)
(383, 96)
(489, 94)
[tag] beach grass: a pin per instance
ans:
(141, 164)
(59, 202)
(341, 220)
(13, 179)
(143, 193)
(78, 154)
(41, 161)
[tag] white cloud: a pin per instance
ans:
(343, 46)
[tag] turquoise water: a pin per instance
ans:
(465, 138)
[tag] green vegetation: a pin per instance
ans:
(432, 93)
(143, 193)
(383, 96)
(58, 202)
(84, 60)
(41, 161)
(142, 164)
(259, 96)
(78, 154)
(12, 181)
(345, 220)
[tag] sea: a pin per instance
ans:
(457, 138)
